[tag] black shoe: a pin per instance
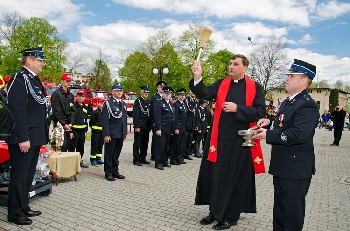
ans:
(207, 220)
(334, 144)
(32, 213)
(118, 176)
(174, 162)
(167, 165)
(222, 225)
(152, 158)
(188, 158)
(160, 167)
(109, 178)
(21, 220)
(137, 164)
(182, 162)
(145, 162)
(198, 155)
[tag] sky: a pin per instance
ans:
(317, 31)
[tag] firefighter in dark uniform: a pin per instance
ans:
(163, 112)
(26, 102)
(96, 134)
(180, 123)
(202, 126)
(63, 110)
(142, 127)
(156, 97)
(292, 161)
(192, 124)
(79, 127)
(114, 130)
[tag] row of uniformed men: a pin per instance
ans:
(178, 127)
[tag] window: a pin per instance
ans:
(319, 91)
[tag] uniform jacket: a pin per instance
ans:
(338, 119)
(156, 97)
(292, 154)
(111, 126)
(81, 116)
(180, 121)
(141, 113)
(95, 118)
(201, 118)
(164, 114)
(192, 120)
(29, 115)
(63, 109)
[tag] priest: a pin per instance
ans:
(226, 180)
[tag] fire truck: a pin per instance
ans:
(129, 98)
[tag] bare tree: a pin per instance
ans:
(268, 63)
(339, 85)
(155, 42)
(9, 23)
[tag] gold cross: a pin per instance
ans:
(212, 148)
(257, 160)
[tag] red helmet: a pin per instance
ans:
(7, 78)
(66, 77)
(81, 92)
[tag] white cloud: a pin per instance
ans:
(305, 39)
(62, 15)
(328, 67)
(288, 11)
(332, 9)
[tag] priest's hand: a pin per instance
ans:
(107, 139)
(229, 107)
(197, 70)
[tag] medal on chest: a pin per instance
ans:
(281, 117)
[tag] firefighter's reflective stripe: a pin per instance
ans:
(99, 155)
(79, 126)
(92, 157)
(96, 128)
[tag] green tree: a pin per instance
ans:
(333, 99)
(217, 68)
(101, 76)
(339, 85)
(36, 32)
(136, 72)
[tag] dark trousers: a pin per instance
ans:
(67, 141)
(191, 141)
(338, 132)
(153, 143)
(162, 146)
(111, 156)
(96, 145)
(77, 143)
(23, 166)
(140, 145)
(289, 203)
(179, 146)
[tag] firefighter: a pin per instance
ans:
(164, 114)
(192, 124)
(114, 130)
(96, 134)
(142, 127)
(79, 127)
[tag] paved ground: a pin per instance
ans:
(149, 199)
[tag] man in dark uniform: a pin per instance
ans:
(291, 135)
(79, 127)
(226, 180)
(163, 112)
(142, 127)
(114, 130)
(192, 124)
(63, 110)
(180, 123)
(338, 117)
(156, 97)
(202, 126)
(26, 101)
(96, 134)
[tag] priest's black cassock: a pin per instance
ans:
(228, 186)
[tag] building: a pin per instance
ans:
(320, 95)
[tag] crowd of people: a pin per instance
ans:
(203, 123)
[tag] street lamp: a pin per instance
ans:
(165, 70)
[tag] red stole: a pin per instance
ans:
(257, 156)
